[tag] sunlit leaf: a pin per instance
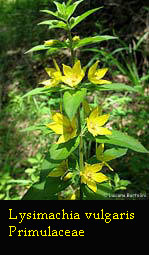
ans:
(122, 140)
(72, 102)
(90, 40)
(77, 20)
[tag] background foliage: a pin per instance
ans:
(21, 152)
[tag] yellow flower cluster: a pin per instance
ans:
(72, 76)
(89, 175)
(61, 125)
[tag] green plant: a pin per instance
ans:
(68, 170)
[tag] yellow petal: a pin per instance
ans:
(68, 80)
(50, 71)
(92, 70)
(101, 120)
(91, 129)
(68, 176)
(94, 168)
(58, 117)
(77, 68)
(99, 177)
(67, 70)
(94, 114)
(92, 185)
(64, 138)
(56, 66)
(102, 82)
(47, 83)
(61, 119)
(103, 131)
(100, 73)
(57, 128)
(83, 178)
(57, 76)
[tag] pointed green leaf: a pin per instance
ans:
(117, 87)
(112, 86)
(89, 40)
(37, 48)
(54, 24)
(63, 150)
(54, 185)
(77, 20)
(61, 10)
(36, 192)
(122, 140)
(73, 101)
(71, 8)
(55, 14)
(36, 91)
(104, 192)
(113, 153)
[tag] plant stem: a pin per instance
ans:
(71, 44)
(81, 161)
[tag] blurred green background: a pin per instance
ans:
(22, 152)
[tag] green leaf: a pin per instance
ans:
(48, 165)
(89, 40)
(116, 179)
(112, 86)
(54, 24)
(36, 91)
(63, 150)
(55, 14)
(54, 185)
(104, 190)
(37, 48)
(61, 10)
(117, 87)
(41, 127)
(113, 154)
(72, 102)
(122, 140)
(71, 8)
(77, 20)
(36, 192)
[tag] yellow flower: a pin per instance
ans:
(60, 170)
(95, 123)
(73, 76)
(50, 42)
(55, 75)
(90, 175)
(100, 156)
(95, 75)
(61, 125)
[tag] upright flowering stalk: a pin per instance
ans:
(70, 170)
